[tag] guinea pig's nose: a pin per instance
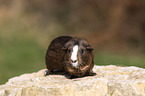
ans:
(74, 61)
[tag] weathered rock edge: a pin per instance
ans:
(109, 81)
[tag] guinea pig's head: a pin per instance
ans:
(79, 55)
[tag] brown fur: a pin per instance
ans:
(58, 56)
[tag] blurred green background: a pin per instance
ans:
(115, 29)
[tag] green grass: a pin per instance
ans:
(20, 52)
(120, 60)
(19, 56)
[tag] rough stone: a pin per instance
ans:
(109, 81)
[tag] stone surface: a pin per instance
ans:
(109, 81)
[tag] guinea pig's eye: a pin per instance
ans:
(82, 51)
(69, 51)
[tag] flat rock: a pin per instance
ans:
(109, 81)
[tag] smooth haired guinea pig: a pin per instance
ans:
(71, 55)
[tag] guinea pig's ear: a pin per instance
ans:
(89, 48)
(64, 48)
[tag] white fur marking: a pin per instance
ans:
(74, 55)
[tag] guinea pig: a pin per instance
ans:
(71, 55)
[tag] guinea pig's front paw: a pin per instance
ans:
(46, 73)
(92, 74)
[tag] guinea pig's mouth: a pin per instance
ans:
(74, 63)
